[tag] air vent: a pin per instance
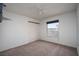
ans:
(33, 22)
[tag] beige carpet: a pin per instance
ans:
(41, 48)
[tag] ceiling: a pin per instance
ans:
(40, 10)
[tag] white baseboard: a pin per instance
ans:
(61, 43)
(4, 49)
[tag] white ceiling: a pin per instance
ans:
(40, 10)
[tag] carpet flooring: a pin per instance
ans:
(40, 48)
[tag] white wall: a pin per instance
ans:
(67, 29)
(78, 28)
(17, 31)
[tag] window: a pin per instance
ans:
(53, 28)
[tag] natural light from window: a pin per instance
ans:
(53, 25)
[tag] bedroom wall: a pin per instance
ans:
(78, 28)
(17, 31)
(67, 29)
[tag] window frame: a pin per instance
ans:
(49, 22)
